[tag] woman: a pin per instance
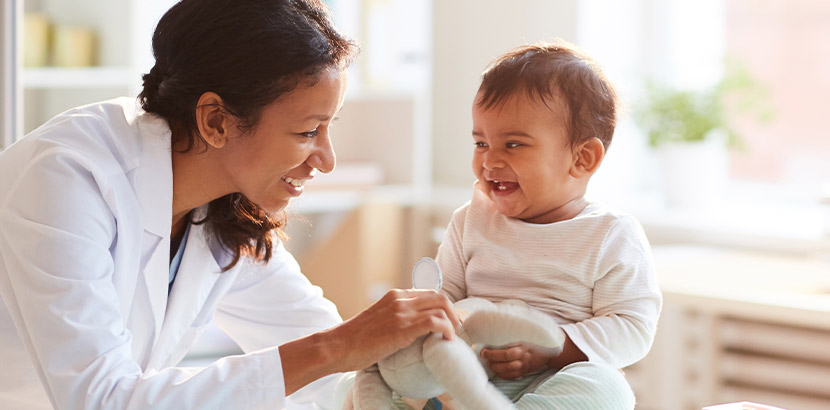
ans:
(127, 228)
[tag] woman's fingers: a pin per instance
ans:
(393, 322)
(436, 320)
(421, 311)
(425, 300)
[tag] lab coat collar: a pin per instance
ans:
(154, 184)
(154, 190)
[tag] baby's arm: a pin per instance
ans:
(451, 258)
(626, 300)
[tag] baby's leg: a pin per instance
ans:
(581, 385)
(369, 391)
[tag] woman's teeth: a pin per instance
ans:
(296, 182)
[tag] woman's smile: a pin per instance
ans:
(295, 186)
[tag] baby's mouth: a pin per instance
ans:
(503, 186)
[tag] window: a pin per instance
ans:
(775, 183)
(785, 44)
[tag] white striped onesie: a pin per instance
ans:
(593, 273)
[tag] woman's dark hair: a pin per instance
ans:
(555, 70)
(249, 52)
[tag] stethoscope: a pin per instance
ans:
(426, 274)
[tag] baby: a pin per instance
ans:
(543, 119)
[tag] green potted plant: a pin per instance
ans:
(690, 132)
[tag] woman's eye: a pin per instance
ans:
(480, 144)
(310, 134)
(512, 144)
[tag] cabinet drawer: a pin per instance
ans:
(809, 345)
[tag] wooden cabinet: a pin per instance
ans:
(738, 327)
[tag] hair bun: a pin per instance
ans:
(153, 80)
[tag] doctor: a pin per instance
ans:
(126, 227)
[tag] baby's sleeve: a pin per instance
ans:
(451, 257)
(626, 300)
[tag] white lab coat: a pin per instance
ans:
(86, 322)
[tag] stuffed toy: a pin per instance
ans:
(432, 366)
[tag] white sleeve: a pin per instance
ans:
(450, 257)
(626, 300)
(58, 285)
(273, 304)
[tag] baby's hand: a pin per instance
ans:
(516, 360)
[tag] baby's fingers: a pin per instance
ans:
(504, 355)
(508, 370)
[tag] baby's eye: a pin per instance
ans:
(480, 144)
(512, 144)
(310, 134)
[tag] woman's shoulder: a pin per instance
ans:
(91, 130)
(108, 135)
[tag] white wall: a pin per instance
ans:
(467, 35)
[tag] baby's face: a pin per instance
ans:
(523, 159)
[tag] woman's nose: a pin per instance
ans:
(323, 157)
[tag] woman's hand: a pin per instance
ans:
(515, 361)
(391, 323)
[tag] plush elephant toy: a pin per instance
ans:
(432, 366)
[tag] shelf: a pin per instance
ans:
(82, 77)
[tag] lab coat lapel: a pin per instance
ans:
(195, 280)
(155, 278)
(154, 188)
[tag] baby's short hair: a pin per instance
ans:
(556, 69)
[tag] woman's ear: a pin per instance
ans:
(213, 120)
(587, 157)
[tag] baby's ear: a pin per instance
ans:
(587, 157)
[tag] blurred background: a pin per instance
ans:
(722, 152)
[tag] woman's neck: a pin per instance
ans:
(194, 185)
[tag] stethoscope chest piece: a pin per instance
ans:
(426, 274)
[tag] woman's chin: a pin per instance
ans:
(274, 207)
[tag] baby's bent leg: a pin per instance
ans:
(370, 392)
(581, 385)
